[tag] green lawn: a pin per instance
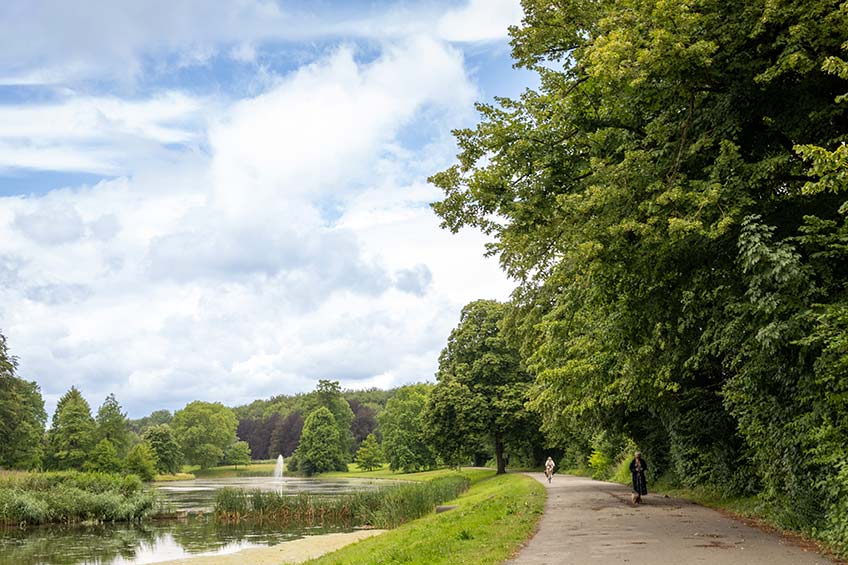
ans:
(491, 520)
(258, 469)
(385, 473)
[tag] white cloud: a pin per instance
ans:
(105, 135)
(480, 20)
(297, 246)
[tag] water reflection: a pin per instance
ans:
(195, 535)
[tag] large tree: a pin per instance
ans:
(402, 426)
(285, 435)
(71, 435)
(112, 425)
(670, 200)
(320, 448)
(482, 387)
(329, 395)
(22, 416)
(204, 430)
(164, 445)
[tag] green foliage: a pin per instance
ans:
(238, 454)
(71, 435)
(141, 461)
(104, 458)
(203, 431)
(481, 391)
(70, 497)
(401, 423)
(387, 507)
(112, 425)
(320, 447)
(22, 416)
(161, 439)
(671, 201)
(370, 455)
(329, 395)
(490, 523)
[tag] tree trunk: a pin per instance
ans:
(499, 456)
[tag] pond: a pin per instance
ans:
(195, 535)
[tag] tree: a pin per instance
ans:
(482, 387)
(141, 461)
(104, 458)
(670, 201)
(161, 440)
(154, 419)
(364, 421)
(320, 448)
(329, 395)
(369, 456)
(203, 431)
(238, 454)
(22, 416)
(71, 435)
(112, 425)
(285, 435)
(404, 445)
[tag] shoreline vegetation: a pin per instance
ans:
(383, 508)
(73, 497)
(488, 524)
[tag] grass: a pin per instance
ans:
(175, 477)
(474, 475)
(263, 469)
(489, 523)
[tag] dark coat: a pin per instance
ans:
(638, 476)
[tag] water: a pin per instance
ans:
(195, 535)
(278, 468)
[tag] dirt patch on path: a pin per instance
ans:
(296, 551)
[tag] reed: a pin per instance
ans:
(387, 507)
(72, 497)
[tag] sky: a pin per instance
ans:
(226, 201)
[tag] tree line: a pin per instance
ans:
(671, 202)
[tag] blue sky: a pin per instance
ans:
(225, 201)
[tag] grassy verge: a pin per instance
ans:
(489, 523)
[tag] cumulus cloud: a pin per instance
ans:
(223, 276)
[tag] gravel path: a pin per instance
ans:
(589, 521)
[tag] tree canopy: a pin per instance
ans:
(320, 448)
(22, 416)
(481, 390)
(71, 435)
(671, 202)
(402, 426)
(204, 430)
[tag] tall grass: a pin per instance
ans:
(72, 497)
(383, 508)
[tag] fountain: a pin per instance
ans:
(278, 469)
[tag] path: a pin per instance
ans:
(588, 521)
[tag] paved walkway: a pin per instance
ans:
(588, 521)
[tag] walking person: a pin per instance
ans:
(637, 473)
(549, 468)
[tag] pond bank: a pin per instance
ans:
(296, 551)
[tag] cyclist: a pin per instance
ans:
(549, 468)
